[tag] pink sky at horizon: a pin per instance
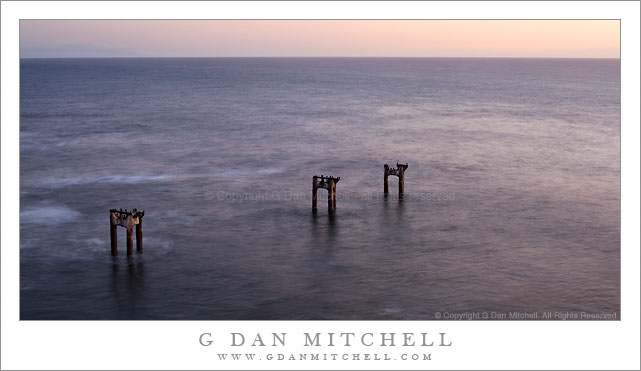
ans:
(331, 38)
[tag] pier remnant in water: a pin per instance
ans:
(399, 171)
(329, 183)
(127, 219)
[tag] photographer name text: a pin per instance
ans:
(331, 339)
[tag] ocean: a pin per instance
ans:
(512, 194)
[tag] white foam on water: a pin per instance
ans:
(393, 308)
(48, 215)
(271, 171)
(81, 246)
(106, 179)
(63, 143)
(228, 173)
(96, 242)
(29, 134)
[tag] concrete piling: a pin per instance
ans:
(114, 239)
(130, 242)
(139, 237)
(314, 198)
(385, 182)
(128, 220)
(398, 171)
(328, 183)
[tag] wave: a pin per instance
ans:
(48, 215)
(271, 171)
(227, 173)
(106, 179)
(236, 175)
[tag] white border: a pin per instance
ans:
(173, 345)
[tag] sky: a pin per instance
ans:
(320, 38)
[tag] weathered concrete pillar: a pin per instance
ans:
(401, 184)
(114, 238)
(128, 220)
(385, 183)
(139, 236)
(328, 183)
(333, 196)
(331, 203)
(401, 179)
(398, 171)
(314, 189)
(130, 242)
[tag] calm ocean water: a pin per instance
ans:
(512, 191)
